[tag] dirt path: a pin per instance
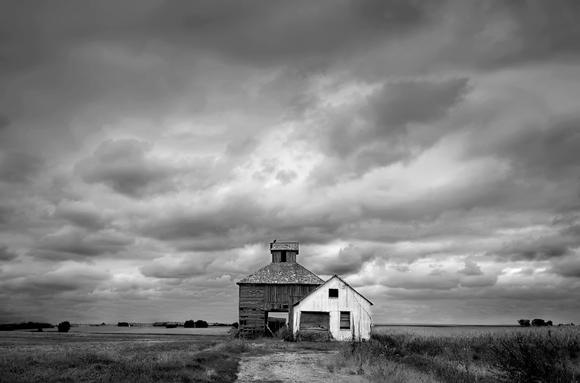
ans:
(295, 367)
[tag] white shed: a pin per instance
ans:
(336, 307)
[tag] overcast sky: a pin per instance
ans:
(426, 151)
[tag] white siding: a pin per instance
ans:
(348, 300)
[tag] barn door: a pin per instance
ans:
(315, 320)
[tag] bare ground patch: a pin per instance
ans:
(297, 366)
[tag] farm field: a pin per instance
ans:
(394, 354)
(476, 353)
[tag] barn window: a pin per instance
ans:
(345, 320)
(333, 293)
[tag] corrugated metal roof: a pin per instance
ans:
(283, 273)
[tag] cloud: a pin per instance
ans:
(394, 123)
(6, 214)
(18, 167)
(209, 225)
(546, 151)
(471, 269)
(401, 103)
(567, 267)
(79, 244)
(543, 247)
(385, 135)
(471, 276)
(544, 31)
(79, 213)
(349, 260)
(242, 147)
(5, 254)
(257, 32)
(408, 282)
(62, 280)
(4, 121)
(286, 176)
(123, 166)
(189, 266)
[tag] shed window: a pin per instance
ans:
(333, 293)
(345, 320)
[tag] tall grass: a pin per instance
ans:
(536, 355)
(124, 362)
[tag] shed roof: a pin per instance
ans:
(329, 279)
(283, 273)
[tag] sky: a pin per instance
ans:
(428, 152)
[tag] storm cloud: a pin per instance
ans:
(427, 152)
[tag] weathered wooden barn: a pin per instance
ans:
(335, 307)
(273, 288)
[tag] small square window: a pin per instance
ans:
(333, 293)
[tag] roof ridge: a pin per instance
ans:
(283, 273)
(325, 282)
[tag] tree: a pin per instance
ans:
(538, 322)
(235, 325)
(189, 324)
(201, 324)
(549, 323)
(524, 322)
(64, 326)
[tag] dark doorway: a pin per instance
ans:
(275, 321)
(314, 321)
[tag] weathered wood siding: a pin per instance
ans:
(257, 299)
(252, 315)
(277, 256)
(348, 301)
(277, 297)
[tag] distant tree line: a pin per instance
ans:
(535, 323)
(195, 324)
(187, 324)
(24, 326)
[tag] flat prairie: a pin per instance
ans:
(394, 354)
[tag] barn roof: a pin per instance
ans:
(283, 273)
(329, 279)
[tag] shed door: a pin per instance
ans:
(315, 320)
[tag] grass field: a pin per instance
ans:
(394, 354)
(473, 354)
(84, 357)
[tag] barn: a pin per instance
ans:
(335, 307)
(273, 289)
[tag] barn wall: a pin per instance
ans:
(277, 297)
(252, 314)
(348, 300)
(256, 299)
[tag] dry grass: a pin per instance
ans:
(472, 355)
(394, 355)
(73, 358)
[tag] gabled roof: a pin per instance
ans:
(329, 279)
(283, 273)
